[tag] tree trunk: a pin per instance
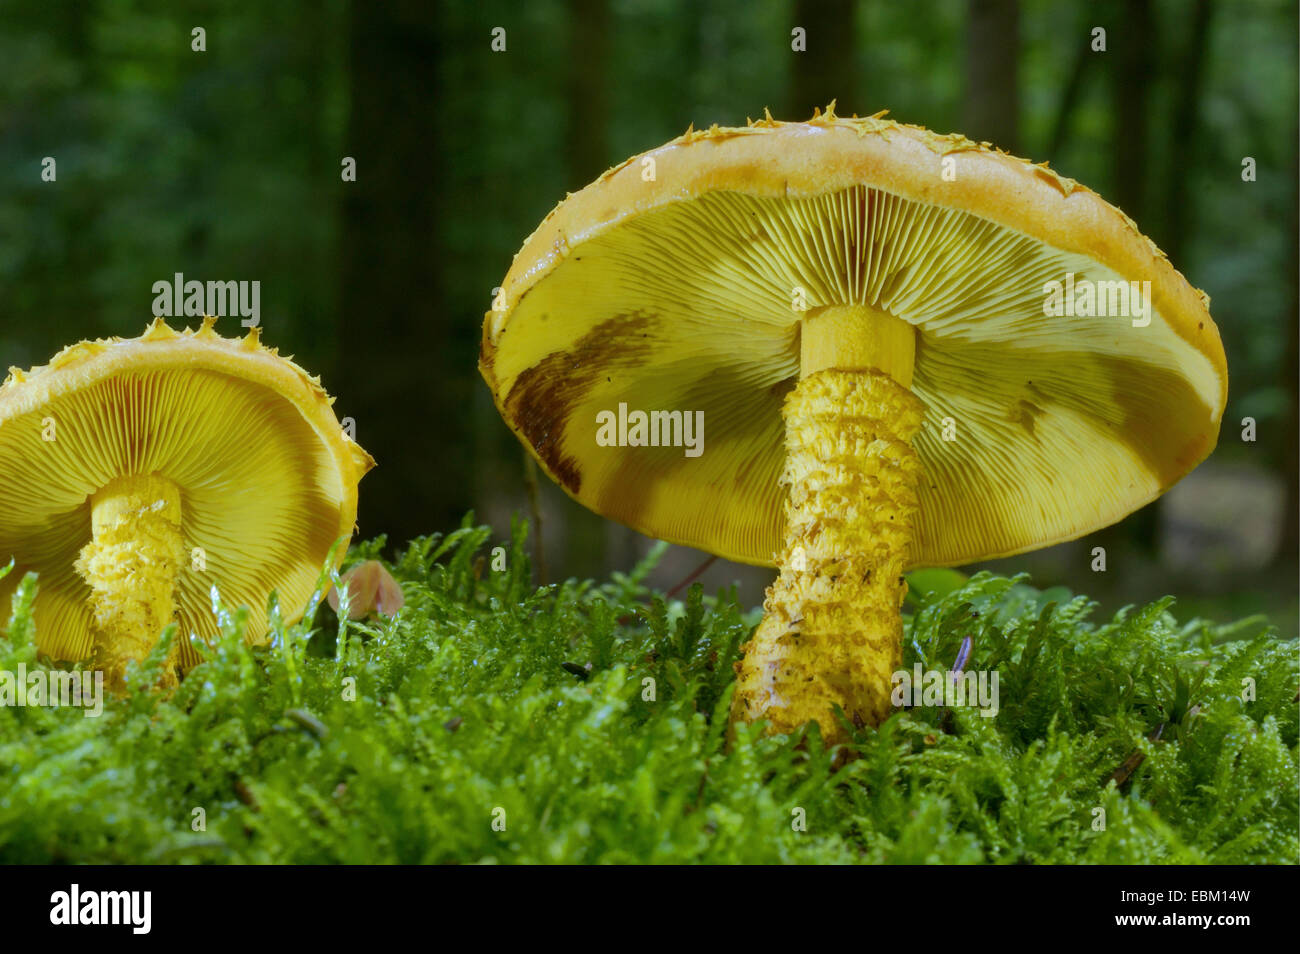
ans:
(1289, 545)
(1180, 166)
(1135, 47)
(405, 365)
(586, 88)
(827, 69)
(591, 545)
(1070, 94)
(991, 111)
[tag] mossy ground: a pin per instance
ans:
(465, 712)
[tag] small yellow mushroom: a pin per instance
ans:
(899, 349)
(139, 474)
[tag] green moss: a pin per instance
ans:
(402, 741)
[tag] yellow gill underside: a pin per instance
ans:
(1059, 425)
(262, 512)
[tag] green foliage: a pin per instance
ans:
(591, 718)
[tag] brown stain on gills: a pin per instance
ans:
(543, 398)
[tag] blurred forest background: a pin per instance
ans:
(225, 165)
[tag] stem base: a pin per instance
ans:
(131, 565)
(832, 634)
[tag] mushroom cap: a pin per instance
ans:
(267, 477)
(668, 284)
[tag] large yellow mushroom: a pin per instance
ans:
(139, 473)
(863, 315)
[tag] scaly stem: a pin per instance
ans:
(832, 633)
(131, 564)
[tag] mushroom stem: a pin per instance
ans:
(831, 632)
(131, 565)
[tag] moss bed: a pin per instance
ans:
(470, 728)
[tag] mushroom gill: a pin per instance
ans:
(862, 312)
(148, 471)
